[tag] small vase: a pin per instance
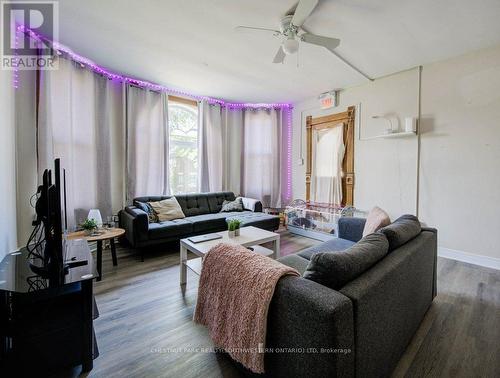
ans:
(231, 234)
(88, 232)
(237, 232)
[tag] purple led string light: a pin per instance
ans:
(289, 155)
(15, 73)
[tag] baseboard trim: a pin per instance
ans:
(486, 261)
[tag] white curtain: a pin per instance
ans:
(262, 155)
(210, 148)
(147, 143)
(80, 117)
(232, 140)
(328, 153)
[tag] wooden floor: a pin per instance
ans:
(145, 327)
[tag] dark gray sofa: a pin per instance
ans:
(374, 316)
(202, 211)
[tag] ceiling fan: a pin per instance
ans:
(292, 32)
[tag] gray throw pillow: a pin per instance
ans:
(401, 231)
(146, 207)
(335, 269)
(236, 205)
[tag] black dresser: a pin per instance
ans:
(43, 327)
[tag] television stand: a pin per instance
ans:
(46, 328)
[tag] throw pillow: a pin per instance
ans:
(335, 269)
(376, 219)
(146, 207)
(236, 205)
(167, 209)
(249, 203)
(401, 230)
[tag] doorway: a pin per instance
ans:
(336, 167)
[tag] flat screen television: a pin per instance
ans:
(45, 243)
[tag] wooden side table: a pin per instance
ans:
(105, 234)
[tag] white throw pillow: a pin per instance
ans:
(248, 203)
(167, 209)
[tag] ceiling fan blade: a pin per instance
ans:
(303, 10)
(319, 40)
(291, 11)
(280, 56)
(251, 28)
(337, 55)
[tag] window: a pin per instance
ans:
(183, 156)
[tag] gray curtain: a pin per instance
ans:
(262, 155)
(232, 140)
(210, 151)
(80, 117)
(147, 143)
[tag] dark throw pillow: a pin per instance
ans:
(335, 269)
(401, 231)
(146, 207)
(236, 205)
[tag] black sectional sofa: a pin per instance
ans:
(202, 211)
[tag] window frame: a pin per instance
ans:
(189, 106)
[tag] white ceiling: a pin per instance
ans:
(192, 45)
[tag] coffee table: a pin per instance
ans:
(104, 234)
(249, 237)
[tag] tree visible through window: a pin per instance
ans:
(183, 125)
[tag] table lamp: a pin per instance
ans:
(95, 214)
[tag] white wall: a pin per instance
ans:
(385, 169)
(460, 185)
(460, 149)
(8, 233)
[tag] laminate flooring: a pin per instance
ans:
(145, 327)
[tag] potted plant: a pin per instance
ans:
(233, 227)
(237, 230)
(89, 226)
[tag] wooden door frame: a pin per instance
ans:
(332, 120)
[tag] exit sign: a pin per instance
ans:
(328, 100)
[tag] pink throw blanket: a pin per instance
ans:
(236, 287)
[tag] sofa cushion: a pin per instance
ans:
(208, 222)
(215, 200)
(295, 261)
(351, 228)
(336, 244)
(193, 204)
(376, 219)
(260, 220)
(228, 206)
(167, 209)
(401, 231)
(335, 269)
(170, 229)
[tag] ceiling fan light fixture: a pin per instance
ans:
(290, 46)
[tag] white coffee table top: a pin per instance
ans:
(249, 236)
